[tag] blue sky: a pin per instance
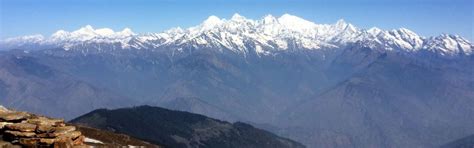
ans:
(426, 17)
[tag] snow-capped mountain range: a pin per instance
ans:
(242, 35)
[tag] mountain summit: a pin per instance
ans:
(266, 36)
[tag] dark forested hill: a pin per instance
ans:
(181, 129)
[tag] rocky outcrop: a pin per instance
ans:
(22, 129)
(30, 130)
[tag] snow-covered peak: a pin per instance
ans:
(126, 32)
(28, 38)
(237, 17)
(396, 39)
(242, 35)
(407, 32)
(86, 29)
(449, 45)
(105, 32)
(269, 19)
(88, 33)
(21, 42)
(374, 31)
(292, 21)
(341, 23)
(211, 22)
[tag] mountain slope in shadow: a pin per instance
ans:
(181, 129)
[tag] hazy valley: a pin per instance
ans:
(323, 85)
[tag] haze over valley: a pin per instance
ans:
(282, 79)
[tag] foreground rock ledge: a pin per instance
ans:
(30, 130)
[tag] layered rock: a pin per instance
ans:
(30, 130)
